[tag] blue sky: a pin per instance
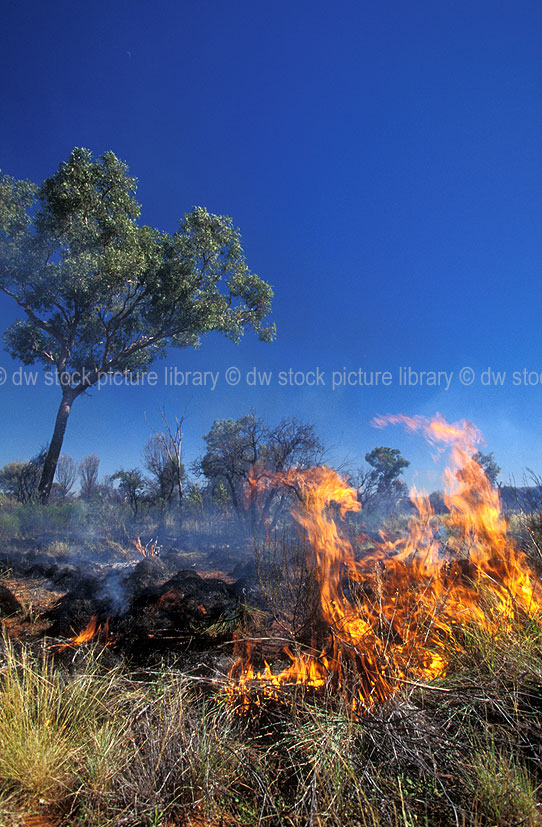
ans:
(382, 161)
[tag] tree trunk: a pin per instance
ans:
(181, 493)
(55, 446)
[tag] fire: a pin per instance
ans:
(395, 613)
(91, 631)
(151, 549)
(87, 634)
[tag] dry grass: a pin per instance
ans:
(93, 746)
(50, 723)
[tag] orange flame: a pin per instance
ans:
(91, 630)
(87, 634)
(393, 613)
(151, 549)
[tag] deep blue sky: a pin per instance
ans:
(382, 161)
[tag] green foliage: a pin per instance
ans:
(489, 466)
(11, 480)
(232, 449)
(380, 486)
(35, 518)
(132, 484)
(20, 479)
(388, 465)
(220, 496)
(236, 448)
(101, 293)
(9, 526)
(194, 499)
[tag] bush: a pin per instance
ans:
(36, 519)
(9, 526)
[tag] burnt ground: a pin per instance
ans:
(182, 605)
(179, 608)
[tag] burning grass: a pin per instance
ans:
(395, 613)
(399, 682)
(91, 745)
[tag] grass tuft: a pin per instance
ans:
(99, 747)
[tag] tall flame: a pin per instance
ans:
(393, 613)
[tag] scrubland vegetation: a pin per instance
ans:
(90, 737)
(87, 741)
(426, 718)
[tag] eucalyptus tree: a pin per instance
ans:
(380, 484)
(103, 295)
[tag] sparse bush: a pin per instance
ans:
(9, 526)
(88, 476)
(65, 476)
(287, 577)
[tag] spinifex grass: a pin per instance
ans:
(49, 721)
(106, 749)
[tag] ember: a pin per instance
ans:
(395, 613)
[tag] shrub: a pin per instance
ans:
(9, 526)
